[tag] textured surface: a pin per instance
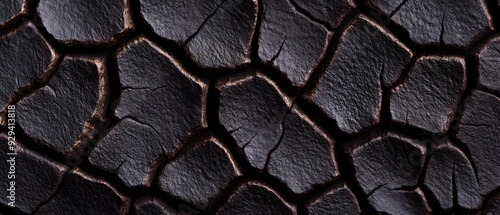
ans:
(447, 22)
(37, 178)
(489, 61)
(256, 126)
(56, 114)
(83, 20)
(339, 200)
(351, 90)
(290, 41)
(93, 196)
(428, 96)
(255, 198)
(25, 56)
(258, 107)
(200, 175)
(9, 9)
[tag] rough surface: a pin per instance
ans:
(489, 59)
(445, 22)
(131, 151)
(339, 200)
(57, 113)
(256, 126)
(158, 94)
(351, 90)
(9, 8)
(402, 202)
(331, 12)
(83, 194)
(83, 20)
(152, 206)
(290, 41)
(304, 157)
(217, 34)
(36, 177)
(24, 57)
(398, 162)
(479, 130)
(200, 175)
(429, 95)
(493, 205)
(450, 178)
(255, 199)
(251, 106)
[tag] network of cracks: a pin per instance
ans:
(251, 106)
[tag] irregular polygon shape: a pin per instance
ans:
(450, 176)
(200, 175)
(25, 56)
(131, 150)
(159, 93)
(57, 113)
(290, 41)
(83, 20)
(224, 41)
(430, 94)
(390, 160)
(304, 156)
(366, 59)
(253, 111)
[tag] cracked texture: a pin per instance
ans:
(162, 97)
(83, 20)
(450, 177)
(57, 113)
(290, 41)
(251, 106)
(37, 177)
(200, 175)
(304, 156)
(351, 90)
(24, 57)
(489, 61)
(216, 34)
(447, 22)
(428, 96)
(256, 127)
(479, 131)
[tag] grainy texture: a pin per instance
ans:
(258, 107)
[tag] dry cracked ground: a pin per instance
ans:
(255, 107)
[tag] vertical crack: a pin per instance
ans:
(442, 29)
